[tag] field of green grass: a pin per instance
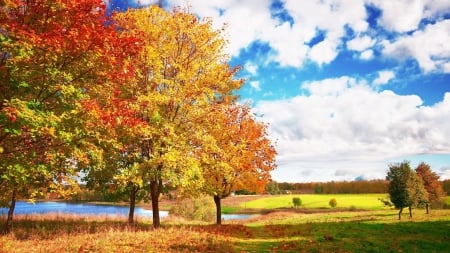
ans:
(282, 230)
(354, 201)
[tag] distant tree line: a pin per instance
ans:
(333, 187)
(446, 186)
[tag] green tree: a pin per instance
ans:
(332, 203)
(431, 183)
(296, 201)
(272, 188)
(405, 187)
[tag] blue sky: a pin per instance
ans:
(347, 86)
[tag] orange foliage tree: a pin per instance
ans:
(53, 54)
(431, 183)
(235, 152)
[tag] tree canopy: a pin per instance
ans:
(139, 101)
(405, 187)
(435, 192)
(53, 54)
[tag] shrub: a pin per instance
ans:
(332, 203)
(202, 208)
(296, 201)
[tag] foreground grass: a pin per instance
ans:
(362, 231)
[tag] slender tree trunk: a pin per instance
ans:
(218, 209)
(133, 192)
(155, 190)
(426, 206)
(9, 219)
(400, 213)
(410, 212)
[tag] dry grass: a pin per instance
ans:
(276, 231)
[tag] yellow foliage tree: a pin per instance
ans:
(179, 72)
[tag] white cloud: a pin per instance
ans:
(366, 55)
(289, 42)
(360, 43)
(323, 52)
(429, 47)
(345, 124)
(255, 85)
(400, 15)
(406, 15)
(144, 2)
(384, 77)
(251, 68)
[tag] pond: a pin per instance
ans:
(92, 209)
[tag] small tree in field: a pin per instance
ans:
(405, 187)
(332, 203)
(296, 201)
(431, 183)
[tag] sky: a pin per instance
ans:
(346, 86)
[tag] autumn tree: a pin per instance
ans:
(179, 72)
(431, 183)
(235, 152)
(52, 55)
(405, 187)
(114, 167)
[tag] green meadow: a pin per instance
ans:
(354, 201)
(277, 228)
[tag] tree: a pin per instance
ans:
(235, 153)
(179, 72)
(405, 187)
(431, 183)
(296, 201)
(272, 188)
(116, 164)
(52, 55)
(332, 203)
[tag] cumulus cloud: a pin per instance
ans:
(255, 85)
(251, 68)
(384, 77)
(395, 17)
(144, 2)
(360, 43)
(290, 40)
(429, 47)
(366, 55)
(344, 124)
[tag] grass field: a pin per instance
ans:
(276, 231)
(354, 201)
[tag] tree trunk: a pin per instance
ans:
(400, 213)
(155, 190)
(133, 192)
(426, 206)
(218, 209)
(410, 212)
(9, 219)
